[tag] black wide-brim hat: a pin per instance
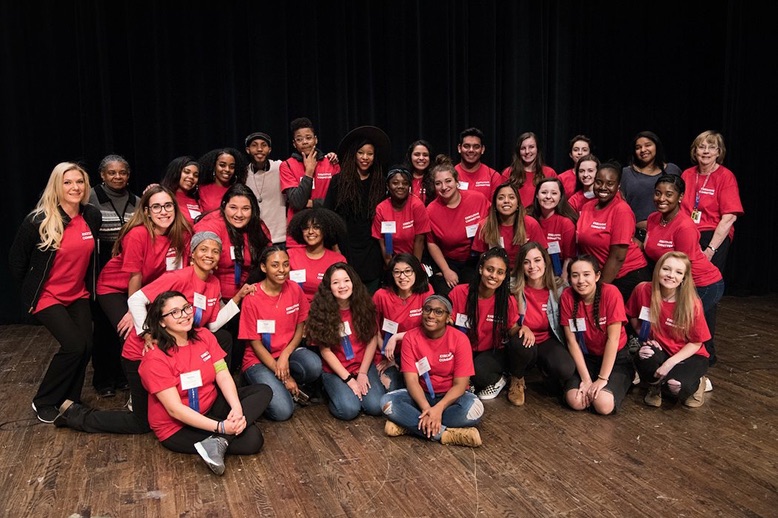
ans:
(359, 136)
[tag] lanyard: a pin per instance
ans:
(697, 193)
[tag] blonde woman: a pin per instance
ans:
(51, 257)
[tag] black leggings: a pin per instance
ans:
(71, 326)
(514, 358)
(254, 400)
(554, 360)
(687, 372)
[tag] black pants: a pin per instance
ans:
(627, 283)
(513, 358)
(466, 271)
(554, 360)
(71, 326)
(254, 400)
(106, 356)
(719, 259)
(687, 372)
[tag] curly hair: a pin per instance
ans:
(332, 226)
(173, 175)
(208, 165)
(153, 323)
(349, 197)
(500, 323)
(597, 293)
(323, 325)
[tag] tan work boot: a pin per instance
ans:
(697, 399)
(393, 429)
(516, 391)
(654, 395)
(461, 437)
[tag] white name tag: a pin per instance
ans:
(463, 185)
(461, 321)
(190, 380)
(266, 326)
(553, 247)
(502, 242)
(578, 324)
(388, 227)
(194, 214)
(645, 314)
(390, 326)
(345, 329)
(423, 366)
(470, 230)
(200, 301)
(297, 275)
(232, 253)
(171, 263)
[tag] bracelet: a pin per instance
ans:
(714, 250)
(218, 423)
(348, 378)
(601, 378)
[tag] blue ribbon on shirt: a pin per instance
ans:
(348, 349)
(556, 261)
(198, 316)
(266, 340)
(579, 336)
(428, 381)
(387, 337)
(194, 399)
(389, 242)
(238, 273)
(645, 329)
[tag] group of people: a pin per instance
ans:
(414, 291)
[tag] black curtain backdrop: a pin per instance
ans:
(155, 80)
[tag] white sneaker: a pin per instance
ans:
(708, 384)
(492, 391)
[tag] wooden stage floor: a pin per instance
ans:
(538, 460)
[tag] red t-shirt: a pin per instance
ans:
(292, 171)
(418, 189)
(599, 229)
(151, 256)
(449, 356)
(578, 199)
(406, 313)
(527, 190)
(65, 283)
(453, 229)
(698, 332)
(559, 229)
(458, 297)
(680, 235)
(187, 282)
(158, 372)
(261, 313)
(225, 271)
(312, 270)
(611, 311)
(532, 230)
(535, 316)
(358, 346)
(568, 181)
(484, 180)
(409, 222)
(719, 195)
(188, 206)
(211, 196)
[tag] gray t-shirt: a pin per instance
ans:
(638, 189)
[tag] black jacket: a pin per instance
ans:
(30, 266)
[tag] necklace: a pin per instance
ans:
(258, 190)
(664, 222)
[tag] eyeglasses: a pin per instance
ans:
(711, 147)
(438, 312)
(399, 273)
(157, 207)
(177, 313)
(307, 138)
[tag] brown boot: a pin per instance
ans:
(461, 437)
(654, 395)
(516, 391)
(697, 399)
(393, 429)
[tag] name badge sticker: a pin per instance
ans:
(345, 330)
(190, 380)
(463, 186)
(553, 247)
(470, 230)
(297, 275)
(388, 227)
(645, 314)
(461, 320)
(200, 301)
(266, 326)
(578, 324)
(423, 366)
(390, 326)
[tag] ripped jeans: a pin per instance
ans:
(400, 408)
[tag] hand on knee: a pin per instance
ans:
(646, 352)
(576, 400)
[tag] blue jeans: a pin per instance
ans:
(710, 296)
(344, 404)
(400, 408)
(304, 366)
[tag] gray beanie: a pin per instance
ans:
(443, 300)
(203, 236)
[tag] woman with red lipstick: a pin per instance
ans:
(528, 168)
(592, 316)
(485, 311)
(714, 198)
(557, 219)
(354, 195)
(507, 225)
(50, 259)
(454, 217)
(182, 177)
(342, 322)
(605, 229)
(668, 315)
(219, 169)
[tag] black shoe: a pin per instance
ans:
(69, 411)
(122, 385)
(105, 392)
(45, 413)
(212, 451)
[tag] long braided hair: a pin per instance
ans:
(501, 294)
(597, 293)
